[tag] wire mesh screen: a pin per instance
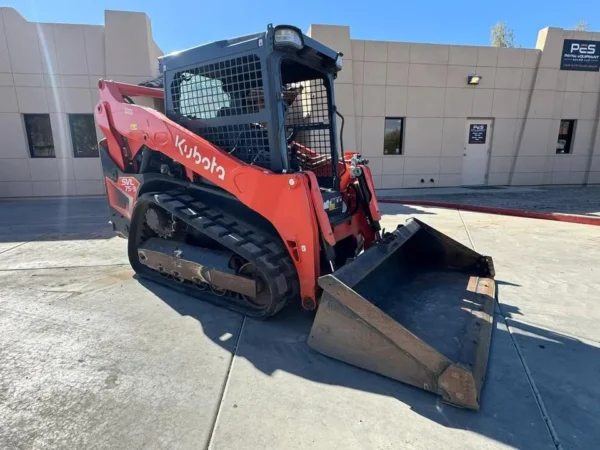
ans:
(309, 128)
(203, 96)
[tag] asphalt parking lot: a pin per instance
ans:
(91, 357)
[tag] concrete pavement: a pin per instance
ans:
(577, 200)
(91, 357)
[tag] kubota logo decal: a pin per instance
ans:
(192, 153)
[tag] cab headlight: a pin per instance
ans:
(339, 61)
(288, 37)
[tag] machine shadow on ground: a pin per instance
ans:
(52, 232)
(509, 414)
(54, 220)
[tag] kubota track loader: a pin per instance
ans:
(240, 193)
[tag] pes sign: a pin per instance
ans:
(580, 55)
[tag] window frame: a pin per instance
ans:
(72, 134)
(401, 137)
(28, 130)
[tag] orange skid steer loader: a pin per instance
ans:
(235, 188)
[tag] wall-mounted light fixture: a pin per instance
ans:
(474, 79)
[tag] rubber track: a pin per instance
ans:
(267, 253)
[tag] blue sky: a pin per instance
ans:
(181, 24)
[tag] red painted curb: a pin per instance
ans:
(500, 211)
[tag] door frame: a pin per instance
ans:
(489, 138)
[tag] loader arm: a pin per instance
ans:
(128, 127)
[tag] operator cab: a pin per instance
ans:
(265, 98)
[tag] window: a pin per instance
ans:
(39, 135)
(83, 135)
(202, 97)
(565, 137)
(392, 138)
(225, 88)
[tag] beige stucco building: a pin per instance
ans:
(48, 80)
(408, 106)
(522, 97)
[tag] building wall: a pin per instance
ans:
(54, 69)
(522, 90)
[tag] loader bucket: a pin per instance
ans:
(416, 307)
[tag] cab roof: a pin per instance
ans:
(233, 46)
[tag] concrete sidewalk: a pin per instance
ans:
(94, 358)
(548, 199)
